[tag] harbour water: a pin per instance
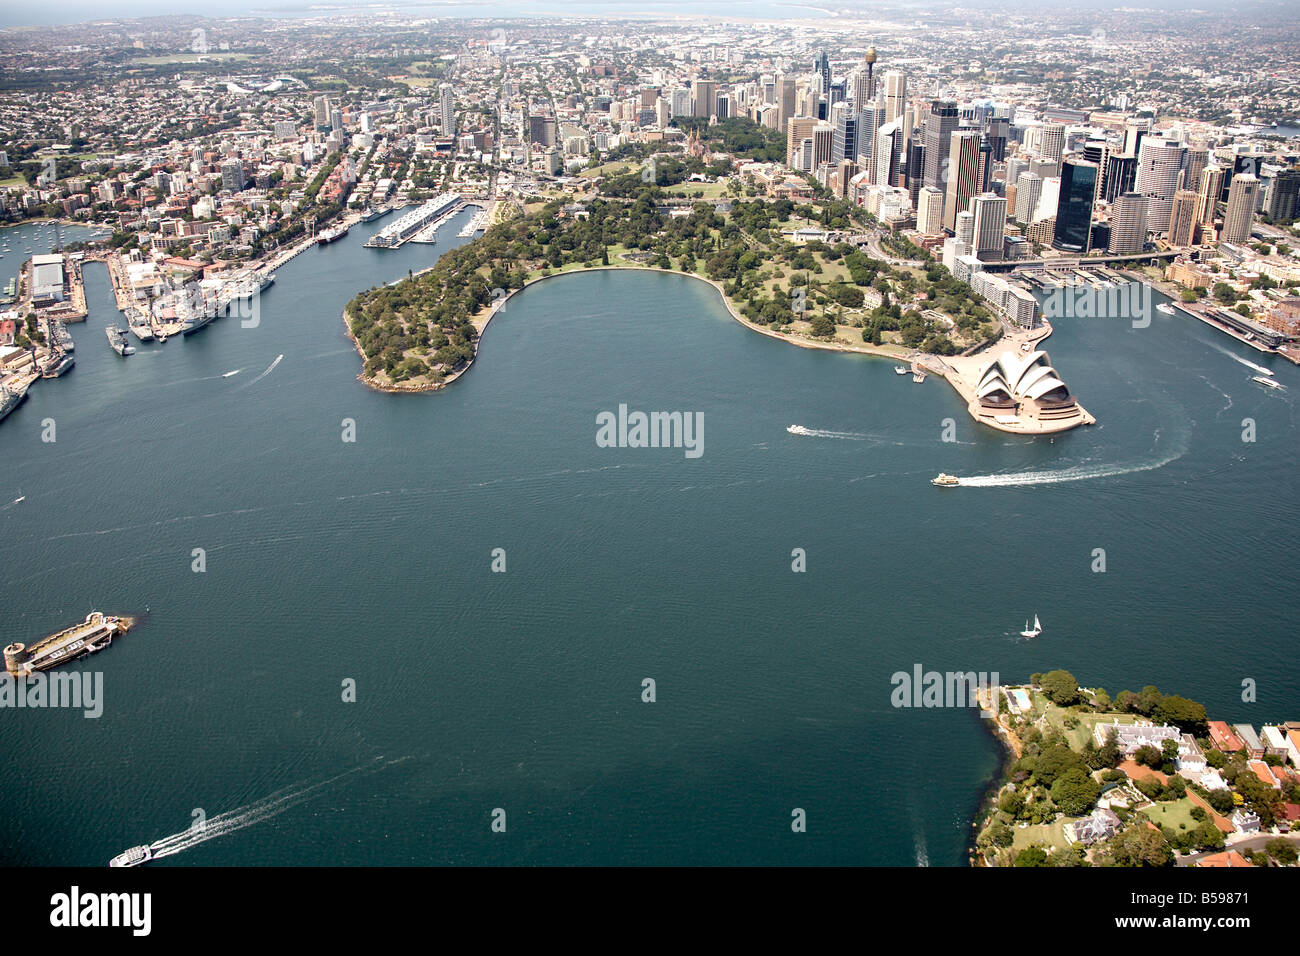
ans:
(370, 561)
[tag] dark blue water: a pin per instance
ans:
(370, 561)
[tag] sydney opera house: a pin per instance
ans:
(1016, 392)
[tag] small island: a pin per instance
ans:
(1143, 779)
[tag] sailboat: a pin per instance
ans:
(1037, 629)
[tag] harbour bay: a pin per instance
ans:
(328, 560)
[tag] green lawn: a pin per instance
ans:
(1051, 835)
(1174, 814)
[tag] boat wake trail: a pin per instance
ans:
(1246, 362)
(246, 816)
(823, 433)
(1077, 473)
(269, 370)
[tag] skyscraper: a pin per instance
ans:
(785, 95)
(1128, 224)
(888, 144)
(939, 127)
(963, 174)
(1053, 141)
(1211, 186)
(823, 69)
(847, 123)
(929, 211)
(1284, 195)
(1074, 209)
(1242, 196)
(1159, 163)
(895, 95)
(1029, 189)
(703, 93)
(447, 109)
(798, 129)
(990, 225)
(1182, 218)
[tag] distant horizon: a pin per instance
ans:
(15, 16)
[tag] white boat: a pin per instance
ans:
(947, 481)
(1035, 631)
(899, 370)
(1265, 380)
(1166, 308)
(132, 857)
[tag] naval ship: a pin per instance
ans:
(11, 398)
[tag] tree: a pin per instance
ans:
(1075, 792)
(1031, 856)
(1284, 851)
(1060, 687)
(1139, 845)
(1148, 756)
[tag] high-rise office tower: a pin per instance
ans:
(1053, 141)
(998, 129)
(785, 93)
(1159, 163)
(1240, 216)
(929, 211)
(1135, 129)
(447, 109)
(703, 95)
(845, 170)
(1283, 200)
(1182, 218)
(1128, 224)
(1029, 189)
(798, 129)
(939, 127)
(1074, 208)
(1121, 175)
(323, 108)
(964, 230)
(1098, 151)
(1211, 186)
(823, 137)
(1015, 168)
(847, 124)
(823, 69)
(1194, 161)
(963, 174)
(681, 102)
(895, 95)
(1048, 199)
(869, 62)
(889, 139)
(990, 225)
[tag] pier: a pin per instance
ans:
(419, 224)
